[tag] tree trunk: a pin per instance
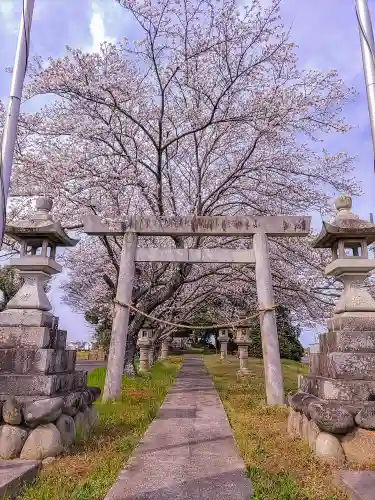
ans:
(129, 364)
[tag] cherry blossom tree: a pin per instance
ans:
(205, 113)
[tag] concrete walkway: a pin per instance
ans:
(188, 452)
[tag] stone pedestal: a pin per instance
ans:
(38, 381)
(244, 356)
(223, 339)
(165, 347)
(144, 359)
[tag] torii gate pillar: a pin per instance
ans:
(116, 355)
(270, 340)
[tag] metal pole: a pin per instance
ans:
(11, 120)
(368, 57)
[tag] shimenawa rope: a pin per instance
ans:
(193, 327)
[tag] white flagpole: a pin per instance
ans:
(368, 56)
(11, 120)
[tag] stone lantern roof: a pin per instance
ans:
(40, 226)
(346, 225)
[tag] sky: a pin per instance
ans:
(325, 31)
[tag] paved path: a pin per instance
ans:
(188, 452)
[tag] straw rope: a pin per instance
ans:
(195, 327)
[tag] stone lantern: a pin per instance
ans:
(347, 351)
(336, 401)
(165, 347)
(145, 342)
(38, 381)
(223, 338)
(243, 341)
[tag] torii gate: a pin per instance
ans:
(258, 227)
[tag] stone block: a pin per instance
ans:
(67, 428)
(347, 341)
(294, 423)
(37, 360)
(58, 339)
(41, 385)
(358, 322)
(25, 336)
(26, 317)
(318, 364)
(331, 417)
(12, 411)
(14, 473)
(359, 447)
(351, 365)
(329, 449)
(82, 425)
(24, 400)
(42, 411)
(359, 484)
(33, 337)
(44, 441)
(313, 432)
(12, 439)
(304, 427)
(352, 391)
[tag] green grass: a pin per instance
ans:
(82, 354)
(281, 468)
(92, 467)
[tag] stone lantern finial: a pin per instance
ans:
(344, 202)
(43, 206)
(343, 205)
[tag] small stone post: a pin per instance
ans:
(120, 325)
(165, 346)
(145, 340)
(243, 341)
(223, 338)
(270, 342)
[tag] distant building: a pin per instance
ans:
(80, 346)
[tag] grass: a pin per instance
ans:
(82, 354)
(92, 467)
(281, 468)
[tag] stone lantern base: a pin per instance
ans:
(45, 403)
(335, 407)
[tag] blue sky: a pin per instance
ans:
(325, 31)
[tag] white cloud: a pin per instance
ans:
(98, 28)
